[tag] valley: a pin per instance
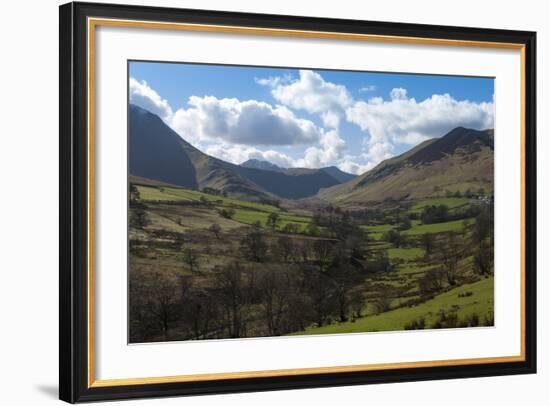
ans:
(219, 250)
(325, 270)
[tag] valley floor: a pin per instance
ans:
(203, 265)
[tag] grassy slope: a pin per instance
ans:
(407, 272)
(480, 302)
(450, 202)
(407, 254)
(455, 173)
(418, 228)
(245, 212)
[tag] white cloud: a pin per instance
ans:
(310, 92)
(377, 152)
(369, 88)
(332, 149)
(248, 122)
(398, 93)
(403, 120)
(238, 154)
(273, 81)
(350, 166)
(142, 95)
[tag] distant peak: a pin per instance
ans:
(261, 164)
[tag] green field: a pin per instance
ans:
(248, 216)
(418, 228)
(407, 254)
(450, 202)
(148, 193)
(245, 212)
(480, 302)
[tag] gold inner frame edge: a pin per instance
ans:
(94, 22)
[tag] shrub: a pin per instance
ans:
(291, 228)
(226, 213)
(489, 319)
(382, 303)
(419, 324)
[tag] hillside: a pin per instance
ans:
(158, 153)
(458, 161)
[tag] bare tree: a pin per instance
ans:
(323, 252)
(234, 290)
(291, 228)
(284, 248)
(253, 245)
(273, 221)
(357, 303)
(139, 218)
(321, 292)
(200, 312)
(452, 251)
(275, 288)
(484, 257)
(432, 281)
(191, 259)
(344, 278)
(155, 296)
(216, 230)
(428, 242)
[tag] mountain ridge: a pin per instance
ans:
(332, 171)
(461, 159)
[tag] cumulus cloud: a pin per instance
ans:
(398, 93)
(403, 120)
(377, 152)
(310, 92)
(142, 95)
(249, 122)
(331, 150)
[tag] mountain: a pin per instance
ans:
(332, 171)
(460, 160)
(158, 153)
(339, 175)
(259, 164)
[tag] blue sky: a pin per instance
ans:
(308, 118)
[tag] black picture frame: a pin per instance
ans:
(74, 199)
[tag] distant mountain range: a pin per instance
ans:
(333, 171)
(460, 160)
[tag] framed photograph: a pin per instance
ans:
(256, 202)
